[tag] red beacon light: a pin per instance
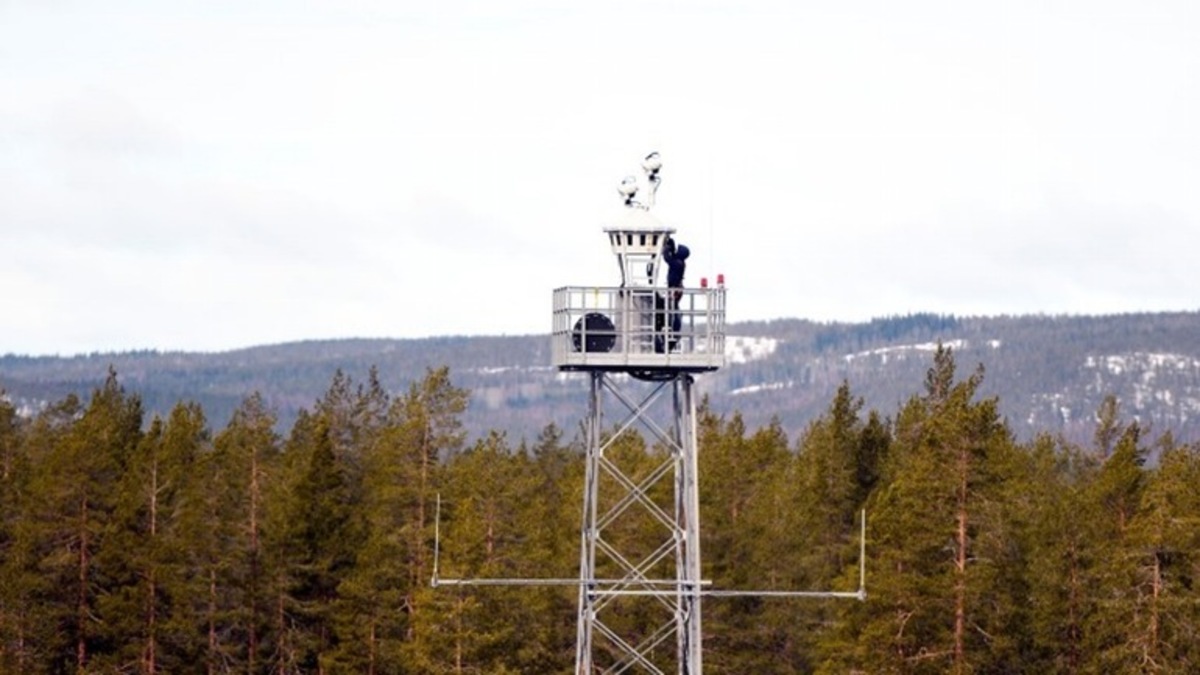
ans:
(720, 279)
(703, 282)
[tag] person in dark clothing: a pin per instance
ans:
(676, 259)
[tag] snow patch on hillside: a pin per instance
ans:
(497, 370)
(1052, 402)
(901, 352)
(743, 349)
(1143, 361)
(1158, 378)
(758, 388)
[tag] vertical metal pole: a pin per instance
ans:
(678, 437)
(688, 511)
(587, 537)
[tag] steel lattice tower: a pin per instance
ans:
(641, 345)
(663, 574)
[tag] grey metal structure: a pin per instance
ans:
(641, 346)
(631, 338)
(622, 574)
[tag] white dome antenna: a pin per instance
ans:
(629, 187)
(628, 190)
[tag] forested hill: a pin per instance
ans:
(1050, 373)
(200, 542)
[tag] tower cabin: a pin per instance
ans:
(640, 327)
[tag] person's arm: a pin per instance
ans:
(668, 251)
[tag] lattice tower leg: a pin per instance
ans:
(604, 641)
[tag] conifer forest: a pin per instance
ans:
(132, 543)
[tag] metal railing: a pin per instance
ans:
(638, 328)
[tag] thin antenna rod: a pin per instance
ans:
(670, 587)
(862, 558)
(711, 239)
(437, 539)
(857, 595)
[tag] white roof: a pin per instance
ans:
(637, 219)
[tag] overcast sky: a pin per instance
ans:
(211, 175)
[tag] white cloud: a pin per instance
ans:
(225, 174)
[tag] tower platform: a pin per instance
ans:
(638, 329)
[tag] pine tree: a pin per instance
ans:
(488, 490)
(941, 597)
(243, 467)
(143, 555)
(426, 427)
(1114, 500)
(1060, 537)
(377, 587)
(836, 466)
(1108, 426)
(216, 503)
(283, 648)
(37, 604)
(551, 524)
(316, 524)
(14, 486)
(75, 482)
(746, 532)
(1164, 624)
(322, 543)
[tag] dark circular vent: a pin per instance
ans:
(595, 332)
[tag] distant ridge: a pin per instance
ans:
(1050, 372)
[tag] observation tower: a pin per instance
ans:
(641, 345)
